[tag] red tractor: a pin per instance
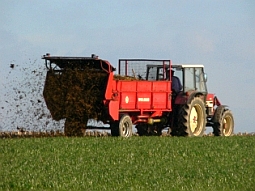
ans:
(140, 95)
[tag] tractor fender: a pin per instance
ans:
(219, 111)
(183, 98)
(192, 96)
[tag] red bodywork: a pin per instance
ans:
(147, 98)
(212, 98)
(141, 99)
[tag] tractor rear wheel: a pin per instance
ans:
(122, 128)
(223, 122)
(192, 119)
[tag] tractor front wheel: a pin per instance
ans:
(223, 122)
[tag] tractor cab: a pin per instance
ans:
(192, 77)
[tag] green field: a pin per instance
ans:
(136, 163)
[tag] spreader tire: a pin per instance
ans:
(122, 128)
(223, 122)
(192, 119)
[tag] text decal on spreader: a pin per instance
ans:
(144, 99)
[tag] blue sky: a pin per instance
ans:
(218, 34)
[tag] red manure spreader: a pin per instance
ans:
(150, 95)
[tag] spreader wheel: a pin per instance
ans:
(223, 122)
(122, 128)
(192, 119)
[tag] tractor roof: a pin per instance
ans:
(187, 66)
(179, 65)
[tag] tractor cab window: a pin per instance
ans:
(161, 74)
(194, 79)
(156, 69)
(200, 80)
(151, 73)
(155, 73)
(189, 79)
(178, 73)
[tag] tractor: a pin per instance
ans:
(193, 108)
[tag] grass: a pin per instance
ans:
(136, 163)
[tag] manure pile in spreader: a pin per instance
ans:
(75, 94)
